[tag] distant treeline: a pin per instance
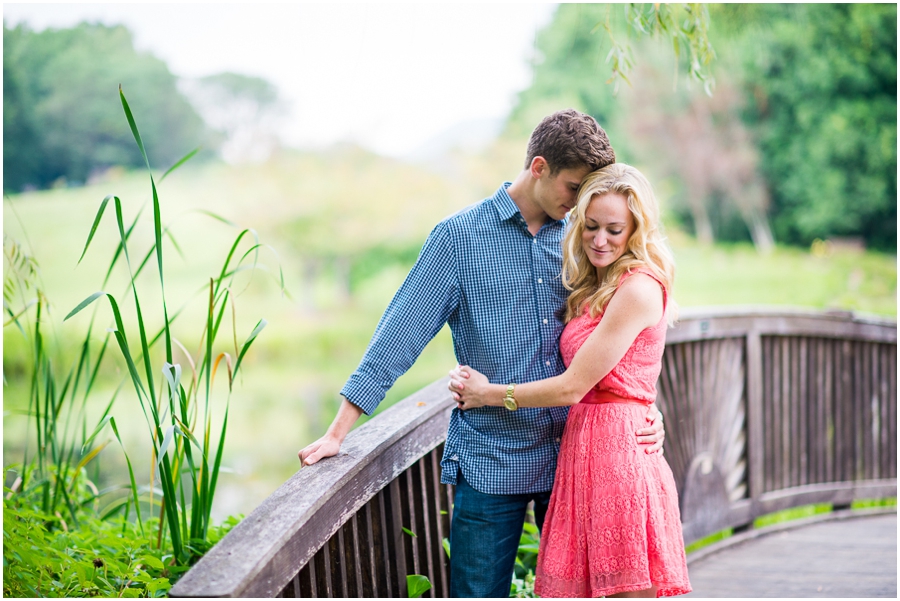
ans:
(797, 142)
(62, 119)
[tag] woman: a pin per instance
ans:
(613, 526)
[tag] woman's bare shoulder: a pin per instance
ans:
(641, 293)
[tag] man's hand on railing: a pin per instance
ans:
(324, 447)
(330, 444)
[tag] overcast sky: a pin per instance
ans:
(387, 76)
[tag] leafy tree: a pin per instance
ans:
(60, 113)
(822, 80)
(244, 108)
(568, 72)
(685, 25)
(21, 146)
(804, 137)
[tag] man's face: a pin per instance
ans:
(556, 193)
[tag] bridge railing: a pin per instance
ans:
(764, 410)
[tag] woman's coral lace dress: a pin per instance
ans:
(613, 523)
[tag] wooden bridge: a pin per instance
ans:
(765, 410)
(842, 554)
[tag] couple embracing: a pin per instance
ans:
(546, 313)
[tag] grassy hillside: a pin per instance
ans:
(344, 226)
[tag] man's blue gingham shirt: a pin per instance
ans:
(499, 288)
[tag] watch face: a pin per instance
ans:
(510, 404)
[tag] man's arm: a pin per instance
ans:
(418, 311)
(330, 444)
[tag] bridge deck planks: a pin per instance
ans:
(843, 558)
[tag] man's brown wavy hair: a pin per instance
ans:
(570, 139)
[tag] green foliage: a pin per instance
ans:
(417, 585)
(43, 556)
(685, 25)
(874, 503)
(522, 588)
(95, 559)
(177, 420)
(244, 109)
(57, 397)
(735, 274)
(522, 585)
(59, 113)
(52, 507)
(709, 540)
(237, 87)
(799, 143)
(376, 259)
(567, 70)
(823, 84)
(795, 513)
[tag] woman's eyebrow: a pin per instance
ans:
(592, 220)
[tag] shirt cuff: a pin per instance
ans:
(364, 392)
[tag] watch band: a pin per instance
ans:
(509, 401)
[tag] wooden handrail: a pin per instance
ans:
(765, 410)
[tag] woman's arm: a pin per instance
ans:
(636, 305)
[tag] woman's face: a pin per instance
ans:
(608, 224)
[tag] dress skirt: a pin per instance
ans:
(613, 523)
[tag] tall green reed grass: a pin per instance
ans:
(186, 425)
(51, 474)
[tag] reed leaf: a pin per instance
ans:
(184, 431)
(227, 358)
(133, 126)
(121, 247)
(171, 431)
(95, 433)
(217, 217)
(94, 226)
(262, 323)
(87, 459)
(179, 163)
(134, 489)
(172, 374)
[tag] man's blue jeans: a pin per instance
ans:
(484, 538)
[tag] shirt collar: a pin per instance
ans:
(506, 206)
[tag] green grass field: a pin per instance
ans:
(344, 227)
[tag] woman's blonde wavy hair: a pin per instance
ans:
(645, 249)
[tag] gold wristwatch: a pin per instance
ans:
(509, 401)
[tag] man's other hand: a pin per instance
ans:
(654, 434)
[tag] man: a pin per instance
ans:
(492, 271)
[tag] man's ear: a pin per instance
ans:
(538, 167)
